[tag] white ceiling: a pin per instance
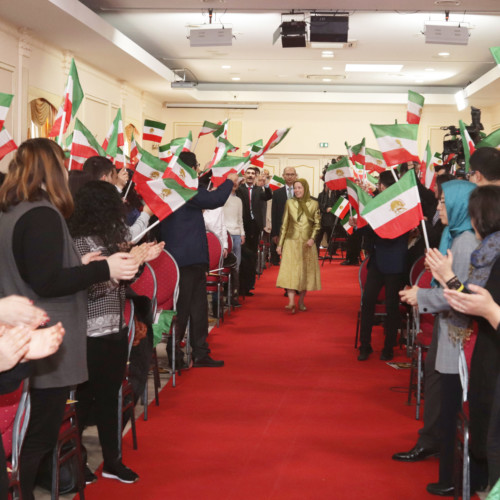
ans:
(267, 72)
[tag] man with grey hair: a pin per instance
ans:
(278, 207)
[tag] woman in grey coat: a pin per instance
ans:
(459, 237)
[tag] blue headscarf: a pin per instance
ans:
(456, 198)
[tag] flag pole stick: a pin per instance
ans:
(139, 236)
(196, 143)
(394, 174)
(61, 132)
(70, 162)
(128, 189)
(424, 232)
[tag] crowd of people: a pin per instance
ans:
(66, 241)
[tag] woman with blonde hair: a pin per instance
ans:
(42, 264)
(299, 269)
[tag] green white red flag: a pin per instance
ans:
(133, 150)
(340, 208)
(274, 140)
(276, 182)
(398, 143)
(84, 146)
(414, 108)
(358, 153)
(5, 102)
(222, 148)
(182, 173)
(114, 138)
(208, 128)
(7, 144)
(148, 167)
(153, 131)
(167, 151)
(396, 210)
(374, 161)
(337, 173)
(358, 198)
(164, 196)
(255, 153)
(492, 140)
(228, 165)
(221, 130)
(467, 143)
(346, 225)
(73, 97)
(427, 172)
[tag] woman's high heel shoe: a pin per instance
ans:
(302, 307)
(291, 308)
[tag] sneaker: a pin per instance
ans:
(90, 477)
(120, 472)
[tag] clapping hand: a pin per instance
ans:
(17, 310)
(440, 265)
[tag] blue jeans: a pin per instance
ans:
(237, 249)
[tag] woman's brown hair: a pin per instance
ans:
(36, 173)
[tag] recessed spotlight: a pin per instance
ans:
(236, 78)
(444, 54)
(327, 68)
(226, 66)
(447, 3)
(327, 79)
(327, 54)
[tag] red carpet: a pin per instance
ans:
(292, 415)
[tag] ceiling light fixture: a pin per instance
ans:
(236, 78)
(327, 68)
(443, 54)
(211, 105)
(374, 68)
(327, 79)
(226, 66)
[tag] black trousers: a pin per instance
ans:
(192, 305)
(47, 410)
(430, 433)
(493, 443)
(106, 362)
(353, 247)
(375, 280)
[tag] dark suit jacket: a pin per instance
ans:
(259, 197)
(184, 231)
(277, 209)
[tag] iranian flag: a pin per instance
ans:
(358, 198)
(208, 128)
(134, 152)
(340, 208)
(5, 102)
(345, 224)
(164, 196)
(167, 151)
(7, 144)
(371, 182)
(114, 138)
(467, 143)
(84, 146)
(492, 140)
(221, 130)
(337, 173)
(396, 210)
(359, 172)
(153, 131)
(178, 170)
(148, 167)
(222, 147)
(427, 172)
(415, 106)
(275, 139)
(276, 182)
(358, 153)
(119, 159)
(228, 165)
(73, 97)
(374, 161)
(398, 143)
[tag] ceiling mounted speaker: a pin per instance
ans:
(293, 34)
(331, 29)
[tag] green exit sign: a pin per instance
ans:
(323, 144)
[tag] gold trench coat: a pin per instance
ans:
(299, 268)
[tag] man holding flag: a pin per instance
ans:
(185, 238)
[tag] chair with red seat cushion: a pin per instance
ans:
(146, 285)
(416, 269)
(226, 274)
(215, 279)
(423, 328)
(166, 270)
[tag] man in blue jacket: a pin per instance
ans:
(185, 238)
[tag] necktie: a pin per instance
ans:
(250, 200)
(289, 193)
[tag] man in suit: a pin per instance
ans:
(185, 238)
(278, 207)
(253, 196)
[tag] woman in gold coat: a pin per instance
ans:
(299, 269)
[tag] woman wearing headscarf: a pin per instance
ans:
(299, 269)
(458, 236)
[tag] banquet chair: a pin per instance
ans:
(214, 277)
(126, 403)
(146, 285)
(226, 275)
(14, 418)
(422, 330)
(167, 279)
